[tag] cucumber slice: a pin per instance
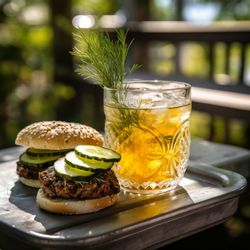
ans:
(37, 161)
(72, 160)
(101, 164)
(46, 152)
(97, 153)
(67, 172)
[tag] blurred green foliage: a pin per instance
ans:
(27, 90)
(95, 7)
(25, 67)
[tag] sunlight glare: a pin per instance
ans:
(83, 21)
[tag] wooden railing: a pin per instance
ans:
(231, 100)
(178, 32)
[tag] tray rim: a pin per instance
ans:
(44, 239)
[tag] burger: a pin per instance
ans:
(81, 182)
(46, 142)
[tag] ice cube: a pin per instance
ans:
(153, 98)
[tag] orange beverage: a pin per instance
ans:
(153, 141)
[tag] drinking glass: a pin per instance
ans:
(147, 122)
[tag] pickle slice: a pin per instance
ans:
(64, 170)
(46, 152)
(97, 153)
(72, 160)
(37, 161)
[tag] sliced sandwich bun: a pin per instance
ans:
(30, 182)
(70, 207)
(57, 135)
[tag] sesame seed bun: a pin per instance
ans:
(30, 182)
(70, 206)
(57, 135)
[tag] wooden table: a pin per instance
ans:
(206, 197)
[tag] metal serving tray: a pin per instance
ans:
(206, 196)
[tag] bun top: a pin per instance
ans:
(57, 135)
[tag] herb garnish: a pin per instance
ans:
(102, 59)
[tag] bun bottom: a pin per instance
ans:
(70, 206)
(30, 182)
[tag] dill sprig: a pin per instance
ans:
(102, 59)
